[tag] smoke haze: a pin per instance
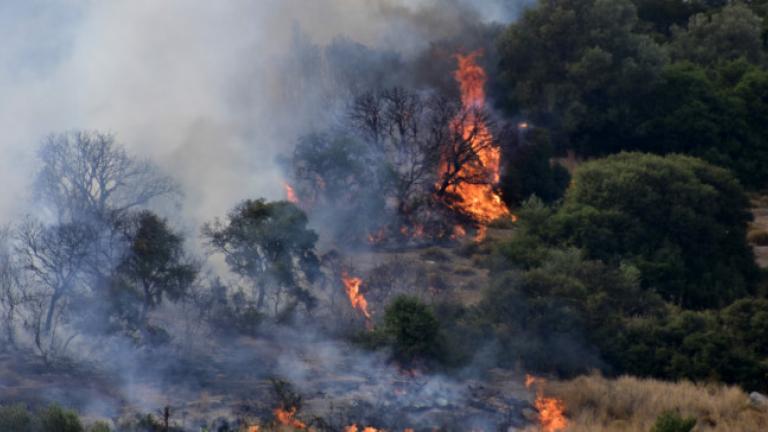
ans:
(196, 86)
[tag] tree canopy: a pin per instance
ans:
(680, 221)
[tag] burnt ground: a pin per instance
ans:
(338, 383)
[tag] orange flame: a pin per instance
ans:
(480, 201)
(356, 298)
(551, 410)
(377, 237)
(253, 428)
(287, 418)
(529, 380)
(290, 194)
(354, 428)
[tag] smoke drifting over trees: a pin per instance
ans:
(343, 215)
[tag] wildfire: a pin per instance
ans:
(377, 237)
(287, 418)
(529, 380)
(356, 298)
(480, 201)
(551, 410)
(290, 194)
(354, 428)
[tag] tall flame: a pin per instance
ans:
(354, 428)
(480, 201)
(287, 417)
(356, 298)
(551, 410)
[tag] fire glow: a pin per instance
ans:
(290, 194)
(356, 298)
(551, 410)
(478, 200)
(287, 417)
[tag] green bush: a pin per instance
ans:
(412, 329)
(16, 418)
(57, 419)
(99, 427)
(681, 221)
(672, 422)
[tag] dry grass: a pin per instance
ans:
(596, 404)
(758, 237)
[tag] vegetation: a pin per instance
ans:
(18, 418)
(598, 404)
(602, 277)
(637, 261)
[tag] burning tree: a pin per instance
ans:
(404, 157)
(270, 245)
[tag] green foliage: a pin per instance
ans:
(270, 244)
(671, 421)
(661, 15)
(558, 301)
(577, 67)
(600, 78)
(57, 419)
(679, 220)
(530, 172)
(16, 418)
(733, 32)
(716, 114)
(99, 426)
(155, 267)
(412, 329)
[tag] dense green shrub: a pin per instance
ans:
(413, 330)
(529, 171)
(672, 422)
(679, 220)
(57, 419)
(16, 418)
(99, 426)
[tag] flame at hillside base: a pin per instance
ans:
(356, 298)
(287, 418)
(551, 410)
(480, 201)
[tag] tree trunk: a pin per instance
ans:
(51, 306)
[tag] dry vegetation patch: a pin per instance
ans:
(628, 404)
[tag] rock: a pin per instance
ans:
(759, 400)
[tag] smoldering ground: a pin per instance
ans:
(214, 92)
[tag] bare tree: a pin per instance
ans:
(54, 257)
(11, 296)
(463, 139)
(86, 174)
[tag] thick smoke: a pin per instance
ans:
(214, 92)
(197, 86)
